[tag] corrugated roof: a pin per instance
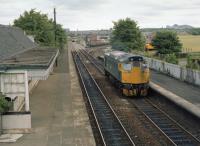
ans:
(13, 41)
(36, 58)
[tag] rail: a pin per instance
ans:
(111, 129)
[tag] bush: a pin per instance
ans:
(191, 64)
(4, 104)
(171, 58)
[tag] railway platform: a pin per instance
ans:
(188, 95)
(59, 116)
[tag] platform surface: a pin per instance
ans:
(187, 91)
(59, 116)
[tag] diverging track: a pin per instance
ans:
(111, 129)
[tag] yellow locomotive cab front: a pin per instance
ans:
(136, 76)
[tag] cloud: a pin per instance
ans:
(97, 14)
(79, 4)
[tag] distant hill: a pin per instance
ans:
(176, 26)
(180, 29)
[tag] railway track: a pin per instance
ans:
(169, 127)
(111, 129)
(95, 62)
(164, 123)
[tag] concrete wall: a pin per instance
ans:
(176, 71)
(16, 122)
(14, 84)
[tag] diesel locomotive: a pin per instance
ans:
(128, 72)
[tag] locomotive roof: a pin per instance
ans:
(121, 56)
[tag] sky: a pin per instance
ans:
(100, 14)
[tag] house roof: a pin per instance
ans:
(13, 41)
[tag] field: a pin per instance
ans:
(190, 43)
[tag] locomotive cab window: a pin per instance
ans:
(136, 60)
(127, 67)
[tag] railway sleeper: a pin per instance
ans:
(161, 121)
(169, 132)
(179, 138)
(158, 119)
(156, 116)
(164, 125)
(183, 141)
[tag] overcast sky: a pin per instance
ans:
(99, 14)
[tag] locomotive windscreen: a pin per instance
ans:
(136, 58)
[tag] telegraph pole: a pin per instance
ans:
(54, 12)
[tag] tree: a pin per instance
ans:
(127, 36)
(41, 27)
(61, 36)
(166, 42)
